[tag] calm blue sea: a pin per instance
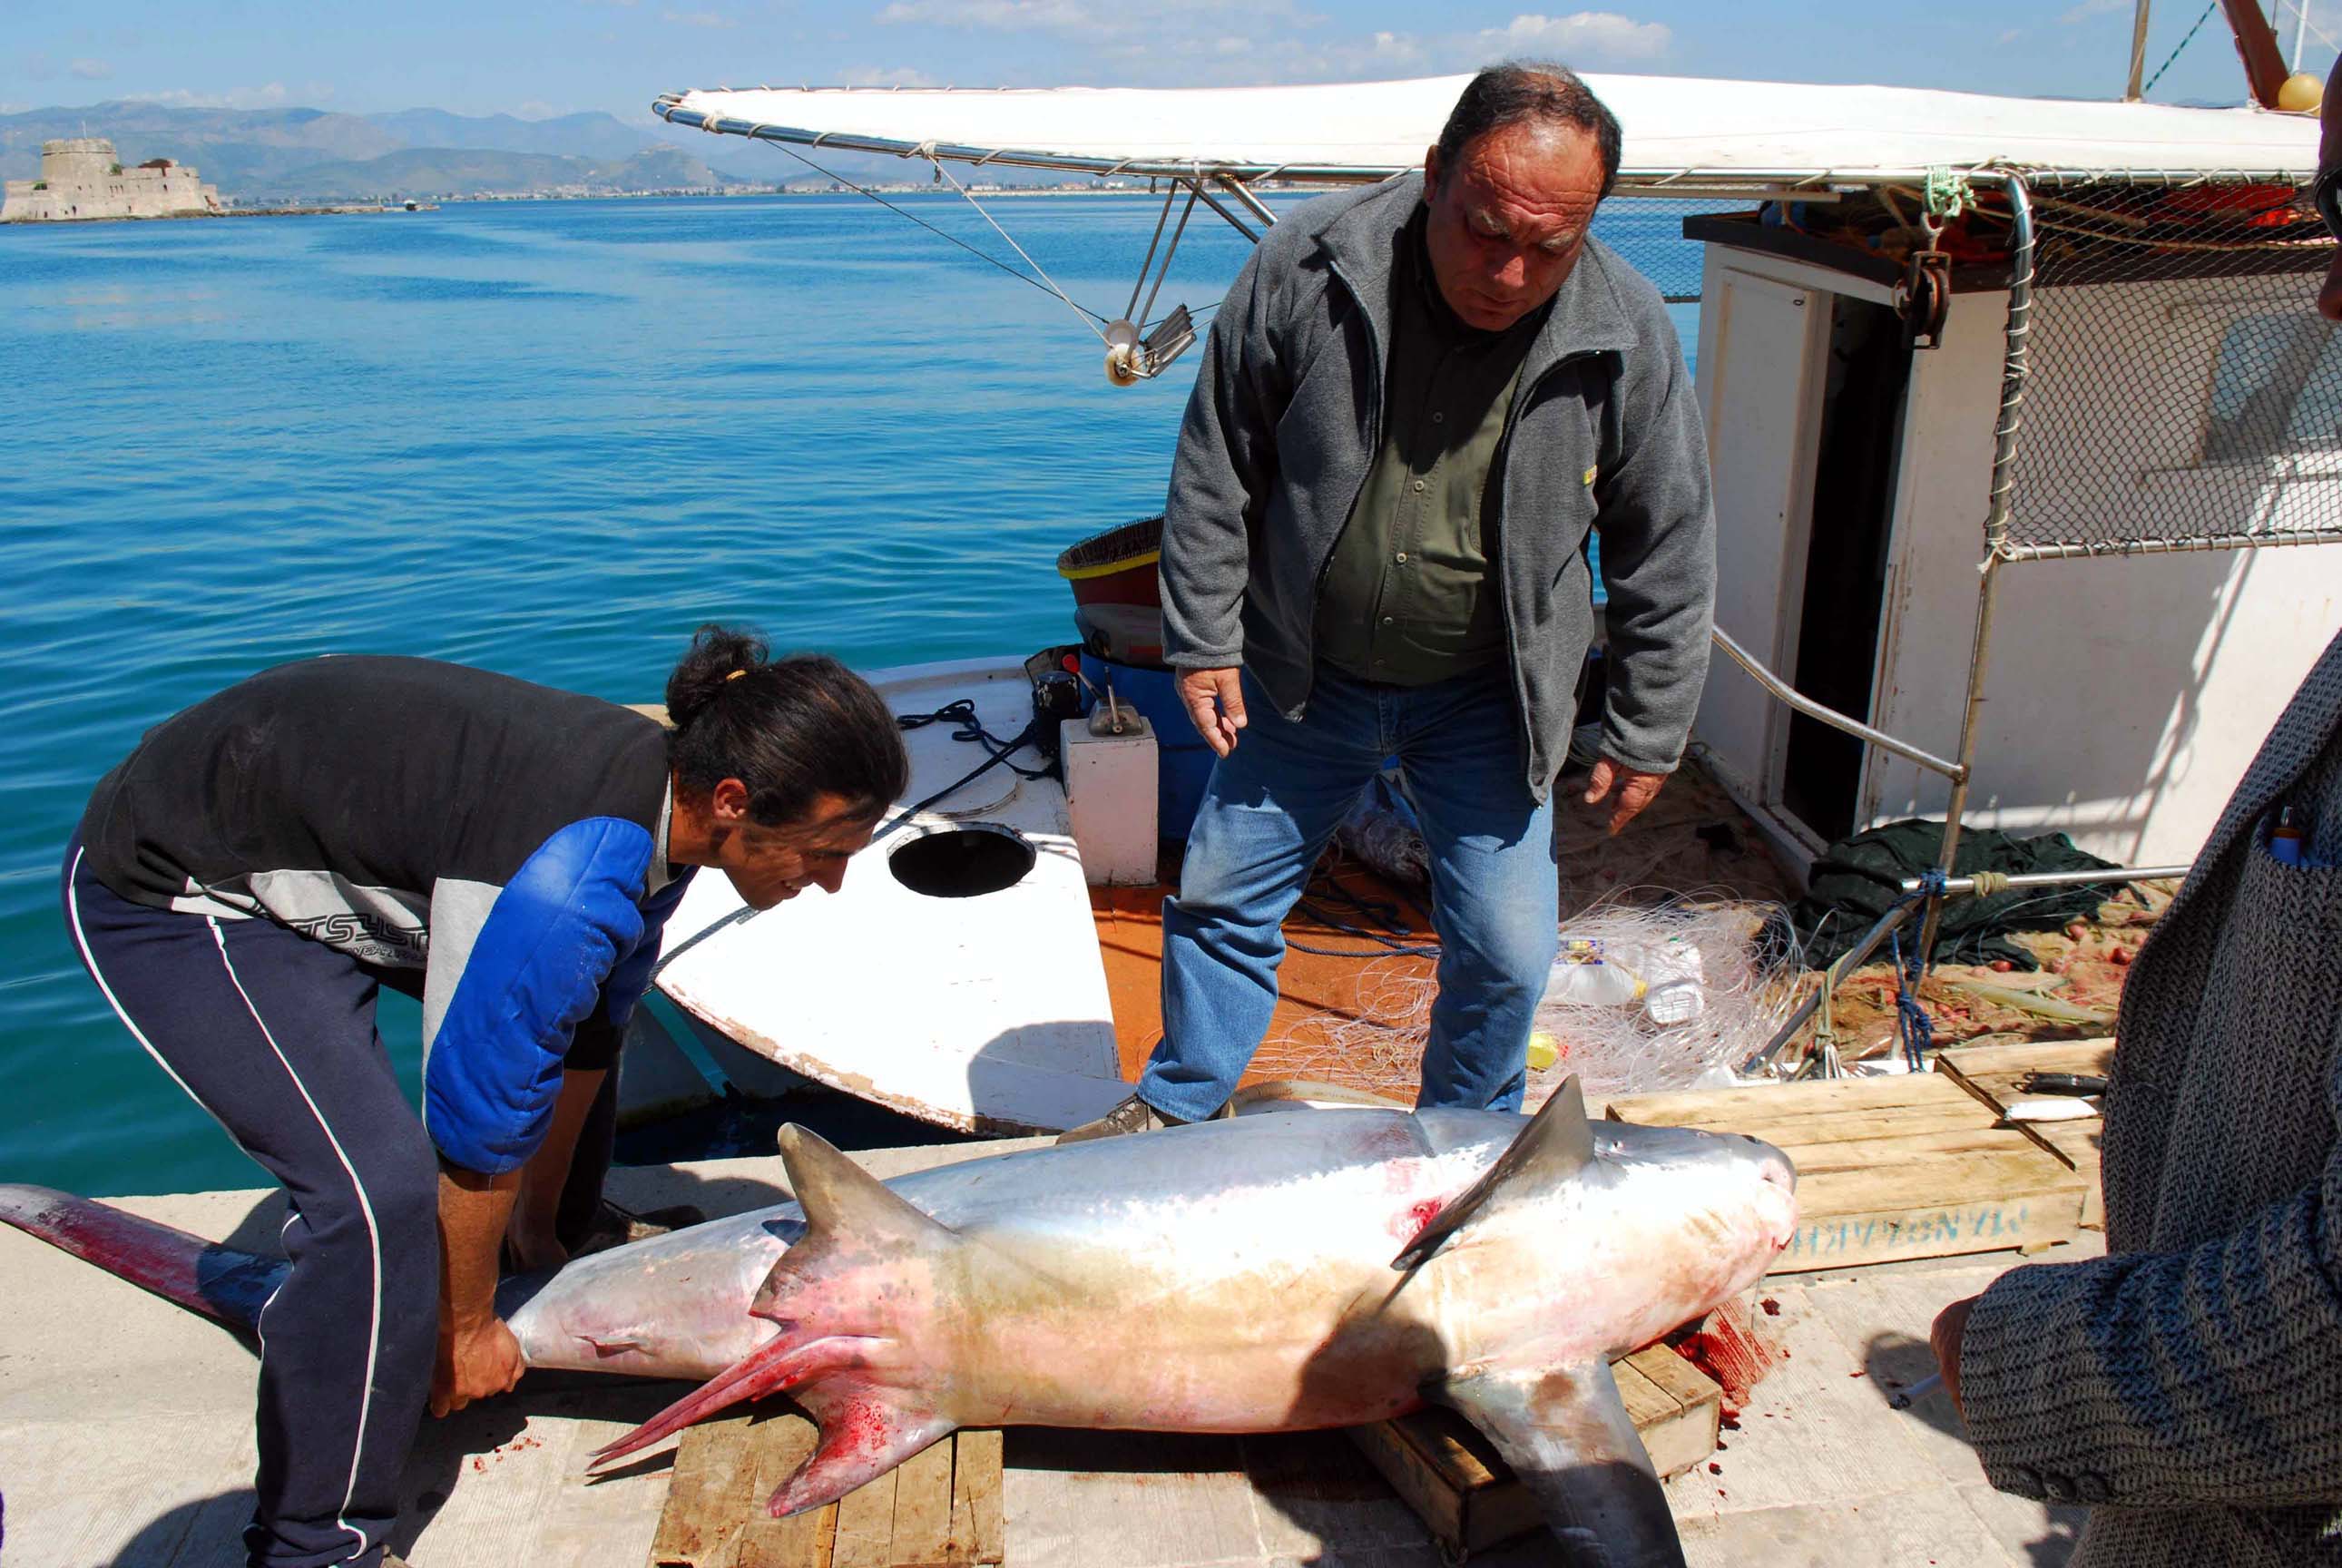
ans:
(549, 438)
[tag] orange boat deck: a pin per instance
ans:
(1691, 839)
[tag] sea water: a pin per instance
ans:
(550, 438)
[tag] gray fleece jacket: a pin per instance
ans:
(1605, 433)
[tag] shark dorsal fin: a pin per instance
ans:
(1557, 1145)
(843, 1201)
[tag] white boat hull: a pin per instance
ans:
(987, 1013)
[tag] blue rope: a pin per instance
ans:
(1918, 1030)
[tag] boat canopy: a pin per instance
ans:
(1678, 130)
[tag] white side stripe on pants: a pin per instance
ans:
(365, 1207)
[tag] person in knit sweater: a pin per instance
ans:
(2188, 1385)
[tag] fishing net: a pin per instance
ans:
(1689, 985)
(2180, 392)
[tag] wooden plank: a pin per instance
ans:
(1460, 1487)
(1894, 1168)
(780, 1441)
(706, 1491)
(1728, 1108)
(1675, 1407)
(975, 1496)
(922, 1536)
(1877, 1153)
(866, 1525)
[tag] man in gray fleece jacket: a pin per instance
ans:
(1415, 405)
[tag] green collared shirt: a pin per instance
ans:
(1410, 596)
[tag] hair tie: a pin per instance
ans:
(736, 674)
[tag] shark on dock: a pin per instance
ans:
(1298, 1270)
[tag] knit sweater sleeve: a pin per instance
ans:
(2207, 1375)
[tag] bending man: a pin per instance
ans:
(242, 885)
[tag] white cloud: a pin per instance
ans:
(2089, 8)
(900, 76)
(698, 19)
(37, 67)
(1582, 37)
(1395, 46)
(91, 70)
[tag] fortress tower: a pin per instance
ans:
(82, 179)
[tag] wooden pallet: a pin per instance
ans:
(1992, 1072)
(1890, 1168)
(1453, 1480)
(940, 1509)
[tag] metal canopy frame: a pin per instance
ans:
(1209, 182)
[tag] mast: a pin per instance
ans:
(2265, 70)
(2132, 94)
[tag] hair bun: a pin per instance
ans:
(718, 654)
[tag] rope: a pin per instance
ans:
(1048, 282)
(1948, 193)
(1918, 1030)
(985, 256)
(2302, 11)
(2159, 70)
(1987, 884)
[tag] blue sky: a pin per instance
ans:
(542, 58)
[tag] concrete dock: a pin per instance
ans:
(126, 1439)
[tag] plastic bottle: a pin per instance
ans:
(1583, 977)
(1677, 983)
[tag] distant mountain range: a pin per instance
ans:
(258, 155)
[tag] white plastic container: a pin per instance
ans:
(1586, 976)
(1676, 983)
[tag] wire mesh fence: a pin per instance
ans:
(2181, 390)
(1649, 233)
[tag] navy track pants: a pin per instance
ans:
(274, 1034)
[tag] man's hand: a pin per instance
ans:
(1943, 1339)
(1214, 703)
(476, 1362)
(1636, 790)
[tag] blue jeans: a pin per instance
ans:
(1268, 813)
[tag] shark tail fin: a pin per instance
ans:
(221, 1282)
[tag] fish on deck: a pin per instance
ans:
(1273, 1272)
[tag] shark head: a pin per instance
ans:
(1599, 1238)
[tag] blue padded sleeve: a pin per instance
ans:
(540, 962)
(595, 1046)
(632, 976)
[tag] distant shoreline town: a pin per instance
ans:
(83, 180)
(293, 160)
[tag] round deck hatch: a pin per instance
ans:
(963, 862)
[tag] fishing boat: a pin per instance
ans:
(2019, 422)
(1935, 330)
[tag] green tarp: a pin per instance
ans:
(1859, 879)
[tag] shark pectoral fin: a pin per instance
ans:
(861, 1438)
(1556, 1145)
(777, 1367)
(1569, 1439)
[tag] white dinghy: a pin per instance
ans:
(955, 977)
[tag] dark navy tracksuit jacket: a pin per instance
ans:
(241, 884)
